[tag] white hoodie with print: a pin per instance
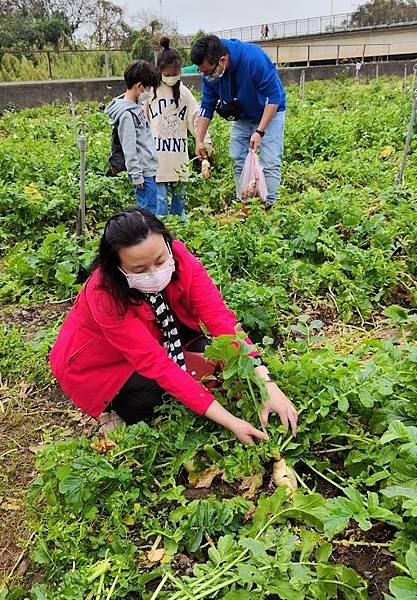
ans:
(170, 126)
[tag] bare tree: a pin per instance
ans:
(150, 21)
(77, 11)
(107, 25)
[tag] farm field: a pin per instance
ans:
(325, 283)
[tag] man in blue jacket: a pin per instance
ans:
(241, 83)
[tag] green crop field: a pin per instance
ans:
(326, 285)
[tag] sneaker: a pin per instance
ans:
(108, 422)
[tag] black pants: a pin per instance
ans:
(138, 397)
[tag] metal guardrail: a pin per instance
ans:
(318, 25)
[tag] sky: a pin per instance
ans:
(215, 15)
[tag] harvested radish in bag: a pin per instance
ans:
(252, 179)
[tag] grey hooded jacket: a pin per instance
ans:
(135, 137)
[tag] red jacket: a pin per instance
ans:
(98, 349)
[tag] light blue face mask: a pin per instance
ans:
(214, 77)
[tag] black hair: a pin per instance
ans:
(167, 57)
(208, 47)
(127, 228)
(143, 72)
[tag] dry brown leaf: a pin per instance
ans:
(156, 555)
(249, 514)
(205, 478)
(12, 505)
(282, 474)
(35, 449)
(387, 152)
(249, 485)
(102, 446)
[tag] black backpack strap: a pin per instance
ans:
(134, 115)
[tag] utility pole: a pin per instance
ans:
(160, 9)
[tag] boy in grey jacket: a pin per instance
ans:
(126, 112)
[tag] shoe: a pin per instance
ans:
(108, 422)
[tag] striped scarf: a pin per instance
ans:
(165, 320)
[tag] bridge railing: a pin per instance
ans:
(320, 25)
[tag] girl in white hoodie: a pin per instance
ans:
(172, 112)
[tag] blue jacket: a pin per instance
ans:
(257, 82)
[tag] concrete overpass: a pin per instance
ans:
(333, 39)
(397, 42)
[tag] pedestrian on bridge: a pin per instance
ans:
(241, 84)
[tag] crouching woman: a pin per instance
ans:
(121, 345)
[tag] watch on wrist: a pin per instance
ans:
(260, 132)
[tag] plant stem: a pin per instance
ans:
(335, 474)
(113, 585)
(255, 403)
(331, 450)
(217, 588)
(160, 586)
(286, 443)
(353, 543)
(301, 482)
(337, 582)
(352, 436)
(339, 487)
(179, 584)
(128, 450)
(100, 586)
(401, 567)
(238, 558)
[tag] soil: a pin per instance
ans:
(316, 483)
(374, 564)
(219, 488)
(23, 425)
(34, 317)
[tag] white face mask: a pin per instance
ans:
(144, 96)
(152, 282)
(171, 81)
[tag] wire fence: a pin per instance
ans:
(92, 64)
(64, 64)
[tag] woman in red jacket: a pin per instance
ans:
(120, 347)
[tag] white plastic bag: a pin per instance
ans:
(252, 179)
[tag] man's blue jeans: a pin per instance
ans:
(272, 145)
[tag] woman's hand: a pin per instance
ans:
(244, 431)
(279, 403)
(247, 433)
